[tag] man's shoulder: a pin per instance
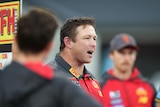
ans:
(148, 82)
(53, 63)
(55, 66)
(14, 67)
(59, 69)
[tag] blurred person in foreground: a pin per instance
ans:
(123, 85)
(27, 81)
(77, 46)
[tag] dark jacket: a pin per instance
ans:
(85, 81)
(134, 92)
(35, 85)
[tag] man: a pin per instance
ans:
(27, 82)
(123, 85)
(77, 46)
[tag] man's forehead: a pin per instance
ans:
(127, 49)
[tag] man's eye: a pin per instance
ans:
(121, 52)
(95, 38)
(87, 38)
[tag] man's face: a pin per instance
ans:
(124, 59)
(85, 44)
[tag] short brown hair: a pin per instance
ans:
(35, 30)
(69, 28)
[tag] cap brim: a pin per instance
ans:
(129, 46)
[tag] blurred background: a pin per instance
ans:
(140, 18)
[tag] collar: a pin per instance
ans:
(39, 68)
(69, 68)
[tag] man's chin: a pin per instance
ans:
(87, 61)
(126, 69)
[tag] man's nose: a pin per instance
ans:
(93, 43)
(127, 56)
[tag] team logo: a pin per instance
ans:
(142, 95)
(100, 93)
(95, 85)
(125, 38)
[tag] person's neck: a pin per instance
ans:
(23, 58)
(77, 66)
(123, 75)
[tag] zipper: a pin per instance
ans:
(86, 84)
(125, 90)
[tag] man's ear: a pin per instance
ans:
(67, 42)
(14, 48)
(111, 55)
(14, 40)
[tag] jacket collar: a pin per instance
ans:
(68, 68)
(39, 68)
